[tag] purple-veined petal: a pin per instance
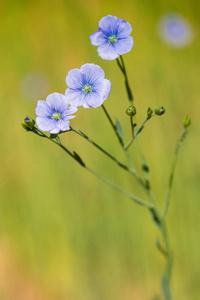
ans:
(43, 109)
(74, 97)
(124, 29)
(107, 51)
(92, 73)
(69, 111)
(123, 46)
(57, 101)
(92, 100)
(96, 38)
(63, 125)
(55, 130)
(109, 25)
(45, 124)
(75, 79)
(107, 89)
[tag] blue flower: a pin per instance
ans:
(53, 113)
(87, 86)
(112, 37)
(175, 30)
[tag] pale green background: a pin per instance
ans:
(64, 234)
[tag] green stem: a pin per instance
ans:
(133, 197)
(100, 148)
(139, 129)
(174, 161)
(123, 69)
(113, 125)
(130, 195)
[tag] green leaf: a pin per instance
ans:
(139, 131)
(119, 130)
(155, 217)
(166, 287)
(79, 159)
(145, 170)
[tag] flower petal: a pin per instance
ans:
(75, 97)
(43, 109)
(124, 45)
(107, 89)
(92, 100)
(107, 51)
(55, 130)
(75, 79)
(109, 25)
(46, 124)
(97, 38)
(92, 73)
(57, 101)
(63, 125)
(124, 29)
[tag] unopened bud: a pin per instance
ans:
(131, 111)
(186, 122)
(29, 122)
(160, 110)
(149, 112)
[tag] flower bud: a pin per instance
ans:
(149, 112)
(131, 111)
(160, 110)
(186, 122)
(29, 122)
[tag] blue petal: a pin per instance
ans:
(107, 51)
(92, 100)
(45, 124)
(97, 38)
(124, 29)
(107, 89)
(75, 79)
(55, 130)
(63, 125)
(75, 97)
(57, 101)
(123, 46)
(109, 25)
(42, 109)
(92, 73)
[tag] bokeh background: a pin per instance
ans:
(64, 234)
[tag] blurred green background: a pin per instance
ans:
(64, 234)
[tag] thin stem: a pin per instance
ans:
(123, 69)
(139, 129)
(174, 161)
(133, 197)
(113, 125)
(130, 195)
(101, 149)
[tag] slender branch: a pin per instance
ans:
(130, 195)
(133, 197)
(113, 125)
(100, 148)
(139, 129)
(123, 69)
(168, 194)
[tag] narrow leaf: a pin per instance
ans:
(79, 159)
(119, 129)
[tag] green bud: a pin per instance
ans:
(29, 122)
(160, 110)
(186, 122)
(131, 111)
(149, 112)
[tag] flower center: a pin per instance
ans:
(87, 88)
(112, 39)
(56, 116)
